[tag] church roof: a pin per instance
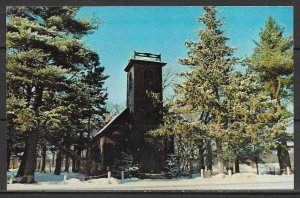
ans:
(132, 61)
(140, 57)
(117, 118)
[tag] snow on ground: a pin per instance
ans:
(241, 181)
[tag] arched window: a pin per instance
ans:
(148, 80)
(130, 82)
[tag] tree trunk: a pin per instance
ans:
(53, 159)
(67, 158)
(43, 160)
(33, 139)
(256, 163)
(283, 154)
(50, 166)
(74, 162)
(67, 161)
(79, 150)
(88, 154)
(30, 163)
(74, 166)
(237, 165)
(201, 156)
(209, 158)
(37, 169)
(78, 161)
(8, 159)
(282, 149)
(220, 160)
(190, 168)
(21, 169)
(58, 163)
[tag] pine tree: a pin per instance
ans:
(210, 61)
(87, 107)
(178, 129)
(172, 166)
(15, 139)
(216, 104)
(250, 119)
(272, 60)
(43, 51)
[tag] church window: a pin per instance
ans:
(148, 80)
(130, 82)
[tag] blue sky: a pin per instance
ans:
(164, 30)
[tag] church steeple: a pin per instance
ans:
(144, 75)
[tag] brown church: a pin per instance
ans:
(128, 130)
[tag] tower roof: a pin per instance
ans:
(139, 57)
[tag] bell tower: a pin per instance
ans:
(144, 96)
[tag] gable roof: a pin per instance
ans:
(120, 117)
(132, 61)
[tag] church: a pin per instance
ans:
(128, 130)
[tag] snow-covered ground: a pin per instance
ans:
(242, 181)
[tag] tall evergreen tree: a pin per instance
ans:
(272, 59)
(250, 119)
(43, 51)
(204, 89)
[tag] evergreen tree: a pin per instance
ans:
(250, 119)
(172, 166)
(43, 51)
(15, 139)
(210, 61)
(272, 59)
(178, 129)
